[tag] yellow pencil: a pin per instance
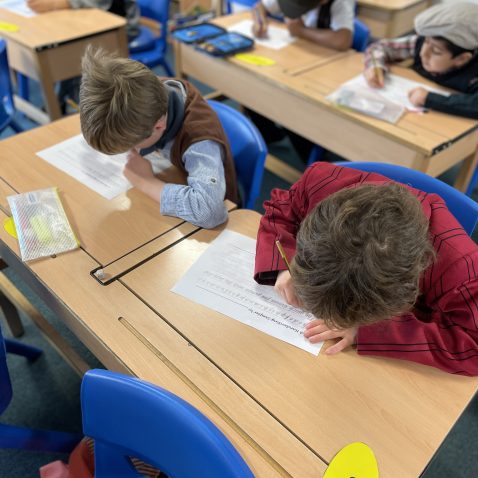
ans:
(282, 254)
(377, 70)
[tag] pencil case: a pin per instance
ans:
(198, 32)
(213, 39)
(41, 224)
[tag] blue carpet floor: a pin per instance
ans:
(46, 393)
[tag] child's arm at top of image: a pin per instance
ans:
(379, 54)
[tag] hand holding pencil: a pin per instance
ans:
(374, 75)
(259, 21)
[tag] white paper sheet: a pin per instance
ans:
(17, 6)
(395, 90)
(100, 172)
(277, 38)
(222, 279)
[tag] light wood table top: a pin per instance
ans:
(400, 409)
(122, 231)
(47, 30)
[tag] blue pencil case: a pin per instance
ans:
(213, 39)
(226, 44)
(197, 33)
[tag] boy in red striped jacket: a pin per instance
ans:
(382, 266)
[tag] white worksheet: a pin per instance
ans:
(395, 90)
(222, 279)
(277, 38)
(19, 7)
(100, 172)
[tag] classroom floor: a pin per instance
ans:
(46, 392)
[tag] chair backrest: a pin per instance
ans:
(157, 10)
(361, 36)
(461, 206)
(248, 148)
(128, 417)
(6, 98)
(234, 6)
(5, 384)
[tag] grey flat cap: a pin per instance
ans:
(456, 21)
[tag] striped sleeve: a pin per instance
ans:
(443, 335)
(388, 51)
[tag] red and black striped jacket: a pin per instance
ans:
(442, 331)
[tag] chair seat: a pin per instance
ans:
(144, 41)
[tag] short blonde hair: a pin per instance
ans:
(120, 101)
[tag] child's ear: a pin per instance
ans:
(161, 123)
(462, 59)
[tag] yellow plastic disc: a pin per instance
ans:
(356, 460)
(255, 59)
(9, 226)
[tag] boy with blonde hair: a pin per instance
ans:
(382, 266)
(444, 50)
(124, 107)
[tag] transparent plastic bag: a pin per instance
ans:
(41, 224)
(365, 101)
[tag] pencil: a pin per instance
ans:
(282, 254)
(73, 104)
(376, 69)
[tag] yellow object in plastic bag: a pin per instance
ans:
(356, 460)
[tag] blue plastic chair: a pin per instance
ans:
(128, 417)
(25, 438)
(471, 186)
(7, 108)
(248, 149)
(461, 206)
(359, 43)
(146, 48)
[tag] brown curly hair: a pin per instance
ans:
(360, 255)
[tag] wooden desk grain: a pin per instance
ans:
(390, 18)
(48, 47)
(401, 410)
(107, 229)
(128, 336)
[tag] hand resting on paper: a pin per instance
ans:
(286, 289)
(295, 26)
(375, 77)
(317, 331)
(139, 172)
(418, 96)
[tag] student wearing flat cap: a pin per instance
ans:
(329, 23)
(444, 50)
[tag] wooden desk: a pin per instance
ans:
(390, 18)
(49, 47)
(117, 233)
(402, 410)
(112, 321)
(431, 143)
